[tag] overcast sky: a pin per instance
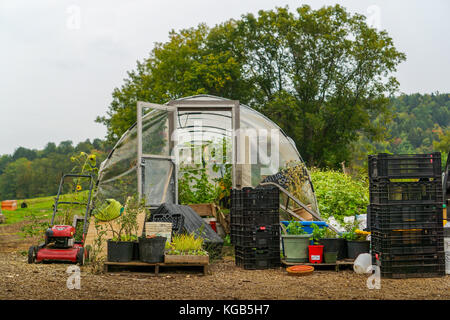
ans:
(60, 60)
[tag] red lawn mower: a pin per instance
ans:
(60, 244)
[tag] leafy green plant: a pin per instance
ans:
(194, 187)
(317, 234)
(227, 241)
(125, 227)
(350, 233)
(295, 228)
(96, 259)
(339, 195)
(36, 227)
(330, 234)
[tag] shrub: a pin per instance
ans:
(339, 195)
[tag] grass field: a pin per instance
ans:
(41, 208)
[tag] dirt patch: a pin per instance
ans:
(19, 280)
(11, 240)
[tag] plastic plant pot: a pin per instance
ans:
(315, 253)
(338, 245)
(355, 248)
(296, 247)
(120, 251)
(151, 250)
(330, 257)
(136, 250)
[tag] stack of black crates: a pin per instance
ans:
(255, 227)
(405, 215)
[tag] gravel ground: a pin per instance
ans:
(19, 280)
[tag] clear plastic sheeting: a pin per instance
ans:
(264, 150)
(158, 181)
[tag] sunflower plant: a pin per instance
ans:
(84, 164)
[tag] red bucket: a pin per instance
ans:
(213, 225)
(315, 253)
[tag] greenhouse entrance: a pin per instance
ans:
(183, 132)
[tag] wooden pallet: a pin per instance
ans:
(156, 266)
(339, 263)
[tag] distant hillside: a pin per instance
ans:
(420, 124)
(30, 173)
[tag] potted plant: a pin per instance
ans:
(356, 241)
(186, 248)
(295, 242)
(316, 249)
(124, 230)
(334, 246)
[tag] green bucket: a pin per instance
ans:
(296, 247)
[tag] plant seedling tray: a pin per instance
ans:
(127, 266)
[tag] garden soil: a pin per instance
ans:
(20, 280)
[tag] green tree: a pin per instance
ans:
(322, 75)
(443, 145)
(183, 66)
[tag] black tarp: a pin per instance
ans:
(191, 222)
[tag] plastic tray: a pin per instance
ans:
(385, 165)
(256, 198)
(257, 259)
(258, 237)
(421, 192)
(385, 218)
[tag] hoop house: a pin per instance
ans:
(174, 135)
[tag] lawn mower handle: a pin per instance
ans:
(91, 184)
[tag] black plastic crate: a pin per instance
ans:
(236, 199)
(385, 165)
(256, 198)
(420, 192)
(410, 266)
(389, 261)
(254, 217)
(413, 241)
(391, 217)
(257, 259)
(258, 237)
(424, 271)
(177, 220)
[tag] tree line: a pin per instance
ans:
(420, 123)
(29, 173)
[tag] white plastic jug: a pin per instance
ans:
(362, 263)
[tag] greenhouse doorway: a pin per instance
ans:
(159, 151)
(156, 169)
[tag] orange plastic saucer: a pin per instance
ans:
(300, 270)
